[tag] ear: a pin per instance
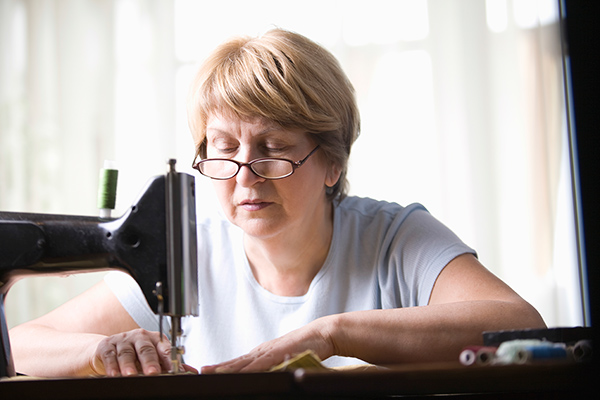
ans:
(333, 175)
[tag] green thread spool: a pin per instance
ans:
(107, 189)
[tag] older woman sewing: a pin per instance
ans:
(296, 264)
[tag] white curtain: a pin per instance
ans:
(461, 101)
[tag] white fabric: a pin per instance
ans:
(382, 255)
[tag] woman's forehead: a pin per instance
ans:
(230, 121)
(223, 125)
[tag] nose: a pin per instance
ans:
(246, 177)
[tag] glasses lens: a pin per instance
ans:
(219, 169)
(273, 168)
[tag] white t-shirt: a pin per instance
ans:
(382, 256)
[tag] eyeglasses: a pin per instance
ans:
(267, 168)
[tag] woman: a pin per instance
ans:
(297, 264)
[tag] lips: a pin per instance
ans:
(254, 205)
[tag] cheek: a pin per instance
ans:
(304, 191)
(315, 177)
(224, 191)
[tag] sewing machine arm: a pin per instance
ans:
(154, 242)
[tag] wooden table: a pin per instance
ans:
(574, 381)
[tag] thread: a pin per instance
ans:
(582, 350)
(526, 351)
(107, 189)
(539, 353)
(480, 355)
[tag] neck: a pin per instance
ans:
(286, 264)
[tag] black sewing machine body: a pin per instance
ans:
(154, 242)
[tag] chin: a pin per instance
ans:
(260, 228)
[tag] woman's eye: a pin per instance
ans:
(226, 149)
(275, 149)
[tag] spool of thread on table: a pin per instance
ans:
(541, 353)
(481, 355)
(529, 350)
(582, 350)
(107, 189)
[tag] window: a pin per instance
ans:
(464, 96)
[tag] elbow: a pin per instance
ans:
(535, 319)
(522, 315)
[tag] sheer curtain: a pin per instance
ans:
(461, 102)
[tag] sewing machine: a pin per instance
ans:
(154, 242)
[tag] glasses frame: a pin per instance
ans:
(295, 165)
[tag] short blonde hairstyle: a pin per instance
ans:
(286, 78)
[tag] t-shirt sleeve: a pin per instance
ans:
(420, 247)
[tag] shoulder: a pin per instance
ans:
(368, 210)
(381, 224)
(390, 224)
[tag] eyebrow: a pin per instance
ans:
(265, 131)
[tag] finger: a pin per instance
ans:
(262, 363)
(214, 369)
(207, 370)
(235, 365)
(163, 348)
(190, 369)
(148, 357)
(221, 368)
(127, 358)
(107, 354)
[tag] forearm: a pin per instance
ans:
(39, 350)
(421, 334)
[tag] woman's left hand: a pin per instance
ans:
(313, 336)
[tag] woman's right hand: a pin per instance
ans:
(91, 334)
(132, 353)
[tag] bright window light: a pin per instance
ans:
(531, 13)
(496, 15)
(384, 21)
(525, 13)
(547, 11)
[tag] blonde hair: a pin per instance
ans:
(286, 78)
